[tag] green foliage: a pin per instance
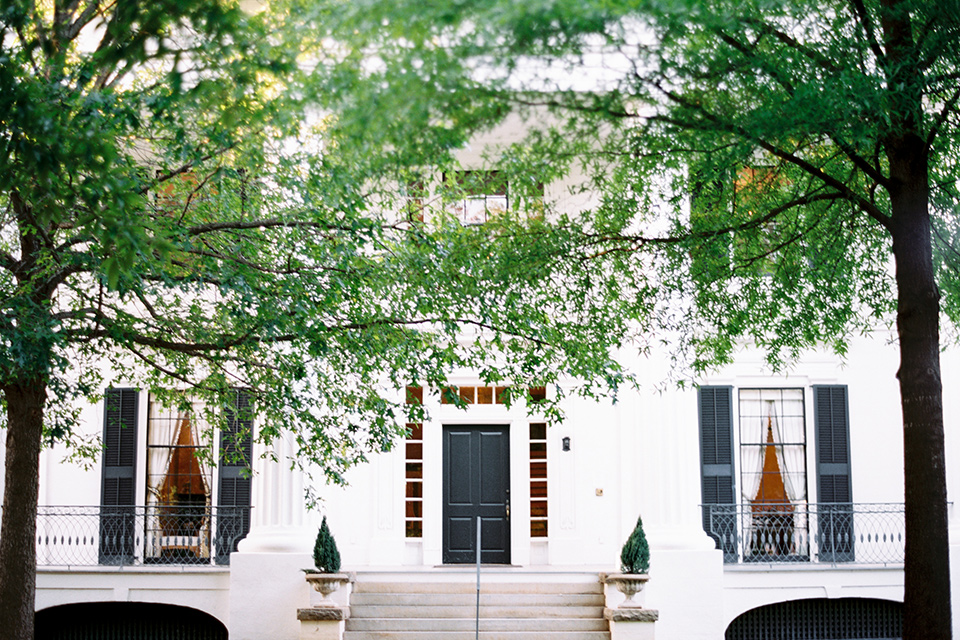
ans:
(326, 557)
(635, 554)
(773, 116)
(814, 137)
(177, 208)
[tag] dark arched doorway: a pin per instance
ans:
(126, 620)
(821, 619)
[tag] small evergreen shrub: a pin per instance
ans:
(635, 555)
(326, 557)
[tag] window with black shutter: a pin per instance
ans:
(233, 496)
(117, 512)
(716, 467)
(835, 512)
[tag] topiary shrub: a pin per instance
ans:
(326, 557)
(635, 555)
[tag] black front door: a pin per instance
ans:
(476, 484)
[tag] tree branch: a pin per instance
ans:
(867, 25)
(941, 118)
(868, 207)
(784, 82)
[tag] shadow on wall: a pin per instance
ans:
(821, 619)
(127, 620)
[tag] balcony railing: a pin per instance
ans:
(139, 535)
(834, 533)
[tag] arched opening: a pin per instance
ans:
(821, 619)
(127, 620)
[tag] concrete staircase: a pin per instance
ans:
(529, 606)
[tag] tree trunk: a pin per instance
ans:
(926, 567)
(18, 547)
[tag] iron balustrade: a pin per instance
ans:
(139, 535)
(832, 533)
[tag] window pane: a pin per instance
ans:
(414, 395)
(414, 529)
(414, 509)
(414, 451)
(484, 395)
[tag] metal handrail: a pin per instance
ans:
(139, 535)
(803, 532)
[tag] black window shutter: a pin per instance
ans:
(834, 495)
(117, 535)
(716, 468)
(233, 496)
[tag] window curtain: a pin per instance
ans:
(173, 439)
(786, 418)
(751, 461)
(788, 433)
(161, 436)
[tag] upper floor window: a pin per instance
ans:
(477, 196)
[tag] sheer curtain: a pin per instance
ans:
(161, 437)
(753, 430)
(789, 432)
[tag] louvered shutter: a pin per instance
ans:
(233, 497)
(835, 510)
(716, 468)
(117, 512)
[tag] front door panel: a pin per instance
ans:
(476, 484)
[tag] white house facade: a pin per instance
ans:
(766, 500)
(769, 502)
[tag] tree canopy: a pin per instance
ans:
(758, 164)
(208, 198)
(182, 210)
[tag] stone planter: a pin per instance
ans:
(326, 583)
(629, 584)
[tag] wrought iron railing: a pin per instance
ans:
(834, 533)
(139, 535)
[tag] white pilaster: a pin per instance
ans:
(278, 517)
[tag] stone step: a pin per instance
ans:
(543, 625)
(470, 635)
(447, 610)
(486, 599)
(363, 586)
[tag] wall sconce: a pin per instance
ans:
(566, 443)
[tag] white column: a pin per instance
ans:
(278, 522)
(669, 453)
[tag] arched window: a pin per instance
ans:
(821, 619)
(128, 620)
